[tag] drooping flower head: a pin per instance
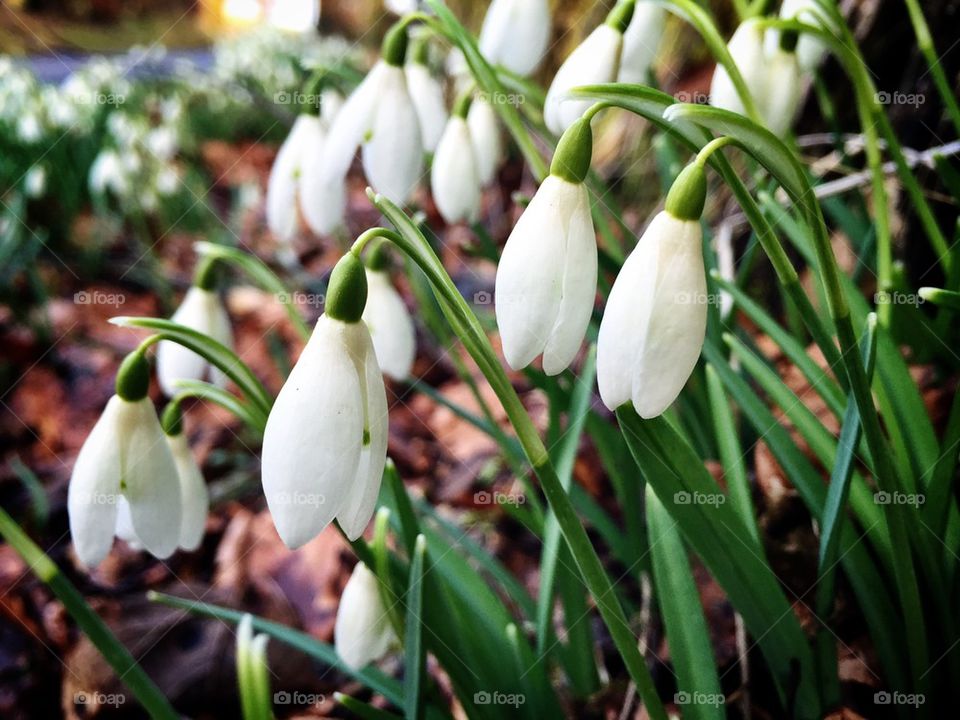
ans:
(595, 60)
(381, 118)
(641, 41)
(325, 442)
(655, 320)
(746, 49)
(125, 459)
(515, 34)
(426, 91)
(547, 277)
(455, 175)
(362, 633)
(201, 310)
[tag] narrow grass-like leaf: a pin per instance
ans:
(363, 710)
(687, 634)
(413, 651)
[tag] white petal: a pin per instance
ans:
(529, 281)
(125, 529)
(810, 49)
(282, 186)
(322, 180)
(149, 479)
(579, 285)
(626, 316)
(454, 178)
(746, 48)
(671, 345)
(311, 446)
(200, 310)
(390, 325)
(595, 60)
(362, 632)
(362, 498)
(779, 103)
(488, 147)
(641, 41)
(393, 151)
(427, 95)
(95, 488)
(515, 34)
(194, 498)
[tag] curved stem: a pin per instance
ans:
(465, 324)
(232, 404)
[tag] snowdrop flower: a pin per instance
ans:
(515, 34)
(325, 443)
(427, 95)
(401, 7)
(106, 173)
(162, 143)
(746, 49)
(547, 277)
(655, 321)
(29, 129)
(810, 49)
(203, 311)
(595, 60)
(304, 142)
(388, 320)
(125, 458)
(784, 88)
(488, 146)
(455, 176)
(362, 633)
(381, 117)
(641, 41)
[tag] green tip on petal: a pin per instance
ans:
(347, 291)
(133, 377)
(172, 419)
(394, 49)
(788, 40)
(571, 161)
(688, 194)
(621, 15)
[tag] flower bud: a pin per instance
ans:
(640, 42)
(362, 633)
(515, 34)
(746, 49)
(454, 176)
(390, 325)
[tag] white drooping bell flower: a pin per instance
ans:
(655, 320)
(194, 498)
(455, 176)
(380, 117)
(515, 34)
(595, 60)
(125, 459)
(201, 310)
(401, 7)
(426, 91)
(389, 322)
(302, 145)
(784, 89)
(362, 633)
(810, 49)
(547, 277)
(746, 49)
(488, 145)
(641, 40)
(325, 442)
